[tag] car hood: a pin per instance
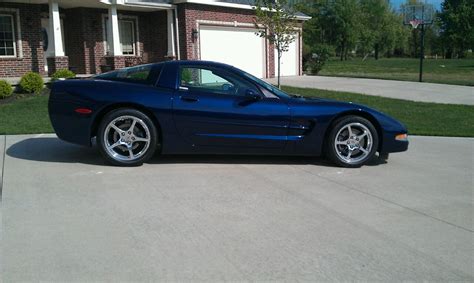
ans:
(339, 107)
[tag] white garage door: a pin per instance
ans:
(289, 64)
(239, 47)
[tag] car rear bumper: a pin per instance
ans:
(69, 125)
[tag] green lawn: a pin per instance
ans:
(25, 116)
(447, 71)
(30, 115)
(421, 118)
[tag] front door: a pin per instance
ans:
(216, 108)
(47, 39)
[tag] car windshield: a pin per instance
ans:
(266, 85)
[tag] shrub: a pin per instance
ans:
(62, 74)
(5, 89)
(320, 55)
(31, 83)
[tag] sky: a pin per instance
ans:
(436, 3)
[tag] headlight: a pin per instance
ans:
(401, 137)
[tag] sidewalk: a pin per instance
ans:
(424, 92)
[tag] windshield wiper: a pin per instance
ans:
(296, 95)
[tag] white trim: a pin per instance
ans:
(231, 5)
(216, 3)
(131, 3)
(18, 42)
(176, 26)
(12, 21)
(170, 33)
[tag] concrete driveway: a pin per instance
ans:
(415, 91)
(67, 216)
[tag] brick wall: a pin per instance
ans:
(33, 57)
(57, 63)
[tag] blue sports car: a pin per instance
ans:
(198, 107)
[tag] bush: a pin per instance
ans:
(31, 83)
(62, 74)
(5, 89)
(320, 54)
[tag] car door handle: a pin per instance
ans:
(189, 99)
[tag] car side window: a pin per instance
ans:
(144, 74)
(206, 80)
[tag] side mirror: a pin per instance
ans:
(227, 87)
(251, 94)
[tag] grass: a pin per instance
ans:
(421, 118)
(30, 115)
(447, 71)
(25, 116)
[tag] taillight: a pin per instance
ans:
(83, 110)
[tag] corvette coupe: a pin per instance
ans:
(199, 107)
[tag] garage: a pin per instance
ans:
(289, 62)
(235, 46)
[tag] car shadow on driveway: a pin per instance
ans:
(51, 149)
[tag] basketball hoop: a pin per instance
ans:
(420, 14)
(415, 23)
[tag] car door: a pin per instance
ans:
(217, 108)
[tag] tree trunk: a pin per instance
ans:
(342, 51)
(279, 57)
(376, 55)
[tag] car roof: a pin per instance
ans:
(196, 63)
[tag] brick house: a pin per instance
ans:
(94, 36)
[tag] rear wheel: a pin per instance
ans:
(127, 137)
(352, 142)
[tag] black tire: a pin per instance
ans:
(338, 153)
(143, 129)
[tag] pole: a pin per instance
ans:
(422, 51)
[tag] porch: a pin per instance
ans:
(87, 36)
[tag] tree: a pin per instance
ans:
(457, 26)
(276, 22)
(346, 24)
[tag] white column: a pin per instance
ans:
(170, 25)
(113, 34)
(55, 27)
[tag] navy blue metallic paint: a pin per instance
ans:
(208, 123)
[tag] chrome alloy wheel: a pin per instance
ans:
(353, 143)
(126, 138)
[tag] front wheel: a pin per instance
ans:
(127, 137)
(352, 142)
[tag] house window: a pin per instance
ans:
(7, 36)
(127, 37)
(127, 32)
